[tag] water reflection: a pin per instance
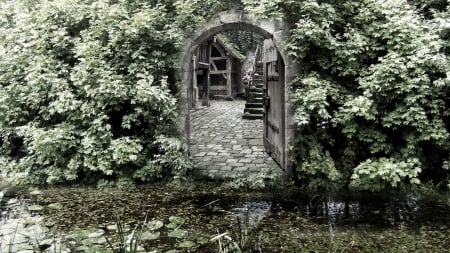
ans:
(297, 216)
(379, 210)
(253, 211)
(344, 209)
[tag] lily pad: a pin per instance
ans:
(177, 233)
(45, 244)
(88, 241)
(43, 247)
(150, 236)
(79, 234)
(112, 227)
(100, 240)
(172, 225)
(12, 202)
(35, 192)
(50, 224)
(35, 208)
(202, 240)
(96, 234)
(155, 224)
(55, 206)
(177, 220)
(187, 244)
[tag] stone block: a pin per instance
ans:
(245, 161)
(240, 169)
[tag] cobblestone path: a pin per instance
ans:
(223, 145)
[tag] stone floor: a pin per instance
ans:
(223, 145)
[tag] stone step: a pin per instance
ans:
(256, 100)
(254, 89)
(252, 116)
(254, 111)
(253, 105)
(255, 94)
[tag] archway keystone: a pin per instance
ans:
(229, 21)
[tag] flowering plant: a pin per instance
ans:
(247, 78)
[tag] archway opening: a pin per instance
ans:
(275, 73)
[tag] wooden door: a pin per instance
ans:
(273, 102)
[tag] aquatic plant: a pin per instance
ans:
(226, 244)
(123, 242)
(243, 236)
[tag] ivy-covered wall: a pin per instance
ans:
(87, 88)
(372, 101)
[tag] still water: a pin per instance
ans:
(84, 219)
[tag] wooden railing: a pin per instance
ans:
(258, 55)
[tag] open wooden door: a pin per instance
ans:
(273, 102)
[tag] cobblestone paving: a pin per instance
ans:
(223, 145)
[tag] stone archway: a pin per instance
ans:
(229, 21)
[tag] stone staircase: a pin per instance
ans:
(254, 106)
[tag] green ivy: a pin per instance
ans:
(372, 102)
(86, 89)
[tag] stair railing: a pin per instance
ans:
(258, 57)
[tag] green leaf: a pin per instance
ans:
(187, 244)
(96, 234)
(35, 208)
(176, 220)
(177, 233)
(150, 235)
(155, 224)
(172, 225)
(55, 206)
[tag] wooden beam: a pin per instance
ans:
(229, 76)
(202, 65)
(207, 80)
(194, 101)
(218, 72)
(214, 66)
(221, 51)
(219, 58)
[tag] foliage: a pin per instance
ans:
(372, 102)
(191, 13)
(121, 244)
(242, 238)
(87, 91)
(262, 180)
(244, 41)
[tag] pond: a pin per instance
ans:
(213, 219)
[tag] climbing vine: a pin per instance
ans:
(87, 91)
(87, 88)
(372, 104)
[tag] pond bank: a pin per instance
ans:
(84, 218)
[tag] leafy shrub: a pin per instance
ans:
(86, 89)
(372, 102)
